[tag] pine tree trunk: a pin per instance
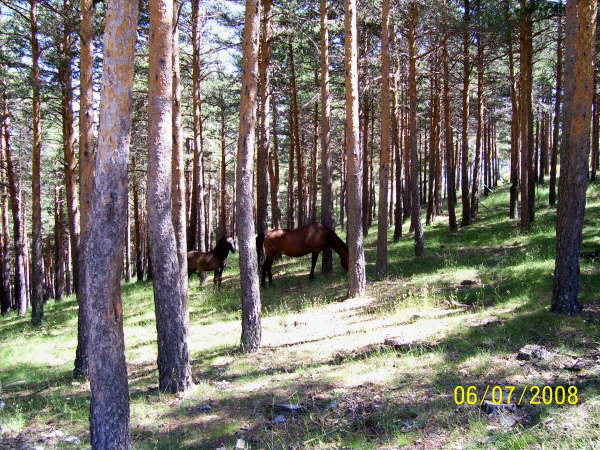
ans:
(580, 39)
(37, 271)
(412, 124)
(262, 192)
(397, 129)
(109, 411)
(222, 225)
(197, 223)
(70, 167)
(296, 138)
(524, 114)
(365, 163)
(382, 217)
(250, 293)
(313, 171)
(479, 137)
(59, 240)
(356, 269)
(178, 169)
(464, 178)
(290, 187)
(557, 115)
(86, 174)
(595, 129)
(138, 230)
(274, 172)
(449, 154)
(171, 312)
(6, 302)
(128, 246)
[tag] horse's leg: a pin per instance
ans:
(263, 273)
(216, 277)
(270, 269)
(315, 256)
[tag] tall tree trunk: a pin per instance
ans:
(296, 138)
(557, 121)
(4, 263)
(138, 230)
(595, 128)
(69, 144)
(86, 174)
(274, 172)
(109, 410)
(171, 312)
(397, 128)
(197, 218)
(37, 271)
(313, 172)
(262, 191)
(178, 171)
(251, 327)
(365, 163)
(290, 187)
(357, 278)
(580, 39)
(464, 178)
(479, 137)
(222, 223)
(449, 154)
(514, 124)
(412, 123)
(128, 246)
(59, 242)
(524, 113)
(382, 217)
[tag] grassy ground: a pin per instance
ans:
(462, 313)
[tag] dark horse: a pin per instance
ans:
(310, 238)
(213, 260)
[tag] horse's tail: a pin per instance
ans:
(260, 249)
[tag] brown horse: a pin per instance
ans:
(214, 260)
(310, 238)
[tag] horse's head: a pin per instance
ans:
(344, 257)
(230, 242)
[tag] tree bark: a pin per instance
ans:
(197, 219)
(59, 241)
(464, 178)
(250, 298)
(6, 302)
(296, 138)
(525, 84)
(382, 217)
(580, 39)
(262, 191)
(171, 312)
(479, 137)
(109, 411)
(357, 278)
(412, 124)
(397, 128)
(37, 270)
(290, 187)
(86, 174)
(274, 173)
(178, 169)
(449, 154)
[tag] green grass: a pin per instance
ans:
(320, 348)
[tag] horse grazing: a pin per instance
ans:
(310, 238)
(213, 260)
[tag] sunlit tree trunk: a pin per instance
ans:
(59, 241)
(178, 168)
(6, 302)
(580, 39)
(382, 217)
(171, 308)
(86, 174)
(250, 293)
(449, 154)
(464, 178)
(356, 270)
(274, 173)
(479, 137)
(109, 410)
(262, 191)
(557, 121)
(37, 270)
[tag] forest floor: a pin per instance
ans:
(457, 317)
